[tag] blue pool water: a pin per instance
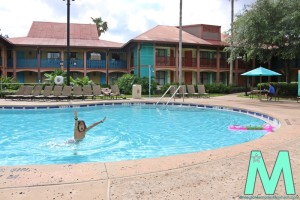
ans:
(129, 132)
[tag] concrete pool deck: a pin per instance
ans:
(215, 174)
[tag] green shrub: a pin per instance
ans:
(286, 89)
(127, 80)
(217, 88)
(9, 83)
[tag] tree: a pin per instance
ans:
(267, 29)
(101, 25)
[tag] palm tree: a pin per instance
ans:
(101, 25)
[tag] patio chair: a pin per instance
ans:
(87, 91)
(115, 92)
(77, 92)
(57, 90)
(17, 94)
(97, 91)
(66, 93)
(36, 91)
(202, 91)
(45, 93)
(106, 92)
(191, 91)
(27, 92)
(173, 89)
(182, 91)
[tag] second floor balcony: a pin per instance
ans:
(208, 63)
(27, 63)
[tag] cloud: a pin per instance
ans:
(126, 18)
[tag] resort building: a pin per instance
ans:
(153, 53)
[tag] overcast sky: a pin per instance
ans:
(126, 18)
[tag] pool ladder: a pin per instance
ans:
(173, 95)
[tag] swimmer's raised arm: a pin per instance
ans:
(76, 121)
(95, 124)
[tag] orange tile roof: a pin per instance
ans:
(170, 34)
(55, 34)
(24, 41)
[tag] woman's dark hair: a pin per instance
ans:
(81, 121)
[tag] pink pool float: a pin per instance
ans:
(266, 127)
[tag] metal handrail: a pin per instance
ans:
(175, 94)
(164, 94)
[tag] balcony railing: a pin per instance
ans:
(77, 64)
(208, 63)
(224, 64)
(189, 62)
(50, 63)
(96, 64)
(26, 63)
(165, 61)
(117, 64)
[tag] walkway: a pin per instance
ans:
(217, 174)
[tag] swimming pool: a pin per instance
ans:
(38, 136)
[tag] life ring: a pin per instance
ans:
(59, 80)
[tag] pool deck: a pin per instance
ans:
(215, 174)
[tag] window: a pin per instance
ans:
(53, 55)
(208, 54)
(160, 77)
(115, 56)
(95, 56)
(73, 55)
(161, 52)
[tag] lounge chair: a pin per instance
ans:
(77, 92)
(202, 92)
(106, 92)
(36, 91)
(27, 92)
(45, 94)
(19, 93)
(97, 91)
(87, 91)
(115, 92)
(182, 91)
(66, 93)
(191, 91)
(173, 89)
(56, 92)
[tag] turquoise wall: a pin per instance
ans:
(102, 78)
(146, 59)
(21, 77)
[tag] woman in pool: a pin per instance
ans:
(80, 128)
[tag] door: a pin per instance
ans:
(188, 78)
(188, 55)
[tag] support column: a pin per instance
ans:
(218, 66)
(198, 65)
(62, 58)
(4, 61)
(106, 67)
(84, 63)
(15, 64)
(39, 65)
(177, 63)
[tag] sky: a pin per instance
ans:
(126, 18)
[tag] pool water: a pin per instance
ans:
(129, 132)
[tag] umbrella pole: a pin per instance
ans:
(246, 94)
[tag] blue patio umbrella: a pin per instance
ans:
(261, 71)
